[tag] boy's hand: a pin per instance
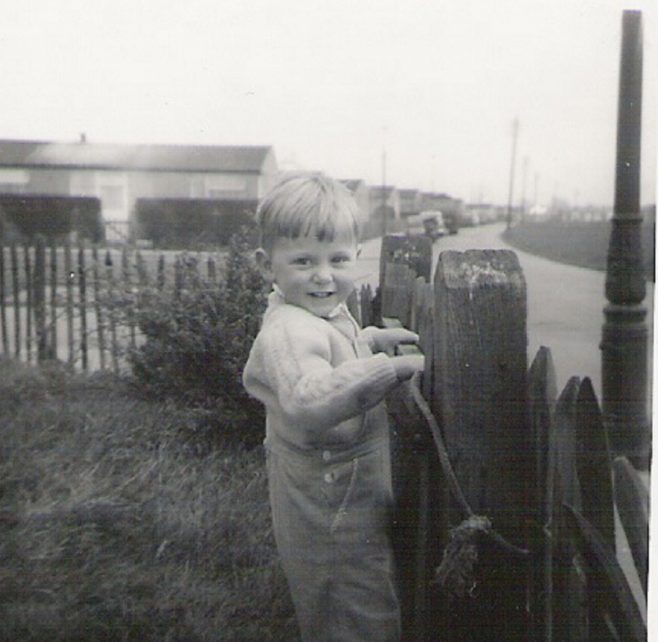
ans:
(386, 339)
(406, 366)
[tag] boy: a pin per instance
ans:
(328, 459)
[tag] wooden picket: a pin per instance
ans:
(60, 302)
(555, 447)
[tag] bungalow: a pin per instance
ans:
(384, 196)
(361, 194)
(119, 174)
(410, 202)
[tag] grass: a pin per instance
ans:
(123, 519)
(584, 244)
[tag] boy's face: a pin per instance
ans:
(314, 275)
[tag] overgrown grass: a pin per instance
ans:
(584, 244)
(118, 520)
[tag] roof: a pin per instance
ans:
(191, 158)
(352, 184)
(387, 190)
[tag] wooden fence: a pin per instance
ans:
(76, 304)
(520, 520)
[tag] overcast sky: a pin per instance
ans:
(331, 84)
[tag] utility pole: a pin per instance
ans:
(535, 199)
(515, 133)
(525, 173)
(625, 335)
(384, 213)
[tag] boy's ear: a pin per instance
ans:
(264, 263)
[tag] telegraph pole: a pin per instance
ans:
(625, 335)
(384, 213)
(515, 133)
(525, 173)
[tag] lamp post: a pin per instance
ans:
(625, 334)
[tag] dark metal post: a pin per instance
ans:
(625, 335)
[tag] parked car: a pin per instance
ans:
(430, 223)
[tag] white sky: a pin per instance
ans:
(332, 83)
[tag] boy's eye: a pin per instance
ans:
(301, 260)
(341, 259)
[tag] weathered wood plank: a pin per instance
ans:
(594, 464)
(29, 309)
(397, 292)
(632, 499)
(70, 280)
(569, 604)
(53, 299)
(414, 252)
(542, 393)
(480, 401)
(98, 308)
(82, 307)
(39, 294)
(111, 313)
(3, 301)
(611, 595)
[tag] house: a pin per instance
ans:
(384, 196)
(120, 174)
(410, 202)
(361, 194)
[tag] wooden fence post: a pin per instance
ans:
(28, 303)
(542, 393)
(412, 251)
(161, 272)
(127, 283)
(82, 285)
(624, 339)
(212, 270)
(109, 275)
(570, 618)
(3, 300)
(100, 317)
(632, 498)
(39, 285)
(16, 299)
(53, 299)
(420, 526)
(70, 279)
(480, 399)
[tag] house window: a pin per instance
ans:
(82, 184)
(13, 181)
(112, 196)
(196, 187)
(225, 185)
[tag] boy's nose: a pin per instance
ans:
(322, 275)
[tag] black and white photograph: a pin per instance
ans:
(327, 321)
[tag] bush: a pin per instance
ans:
(198, 336)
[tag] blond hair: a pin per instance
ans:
(307, 205)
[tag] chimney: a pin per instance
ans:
(83, 137)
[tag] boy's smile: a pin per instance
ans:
(312, 274)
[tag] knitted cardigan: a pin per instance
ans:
(316, 381)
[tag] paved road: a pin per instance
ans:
(565, 303)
